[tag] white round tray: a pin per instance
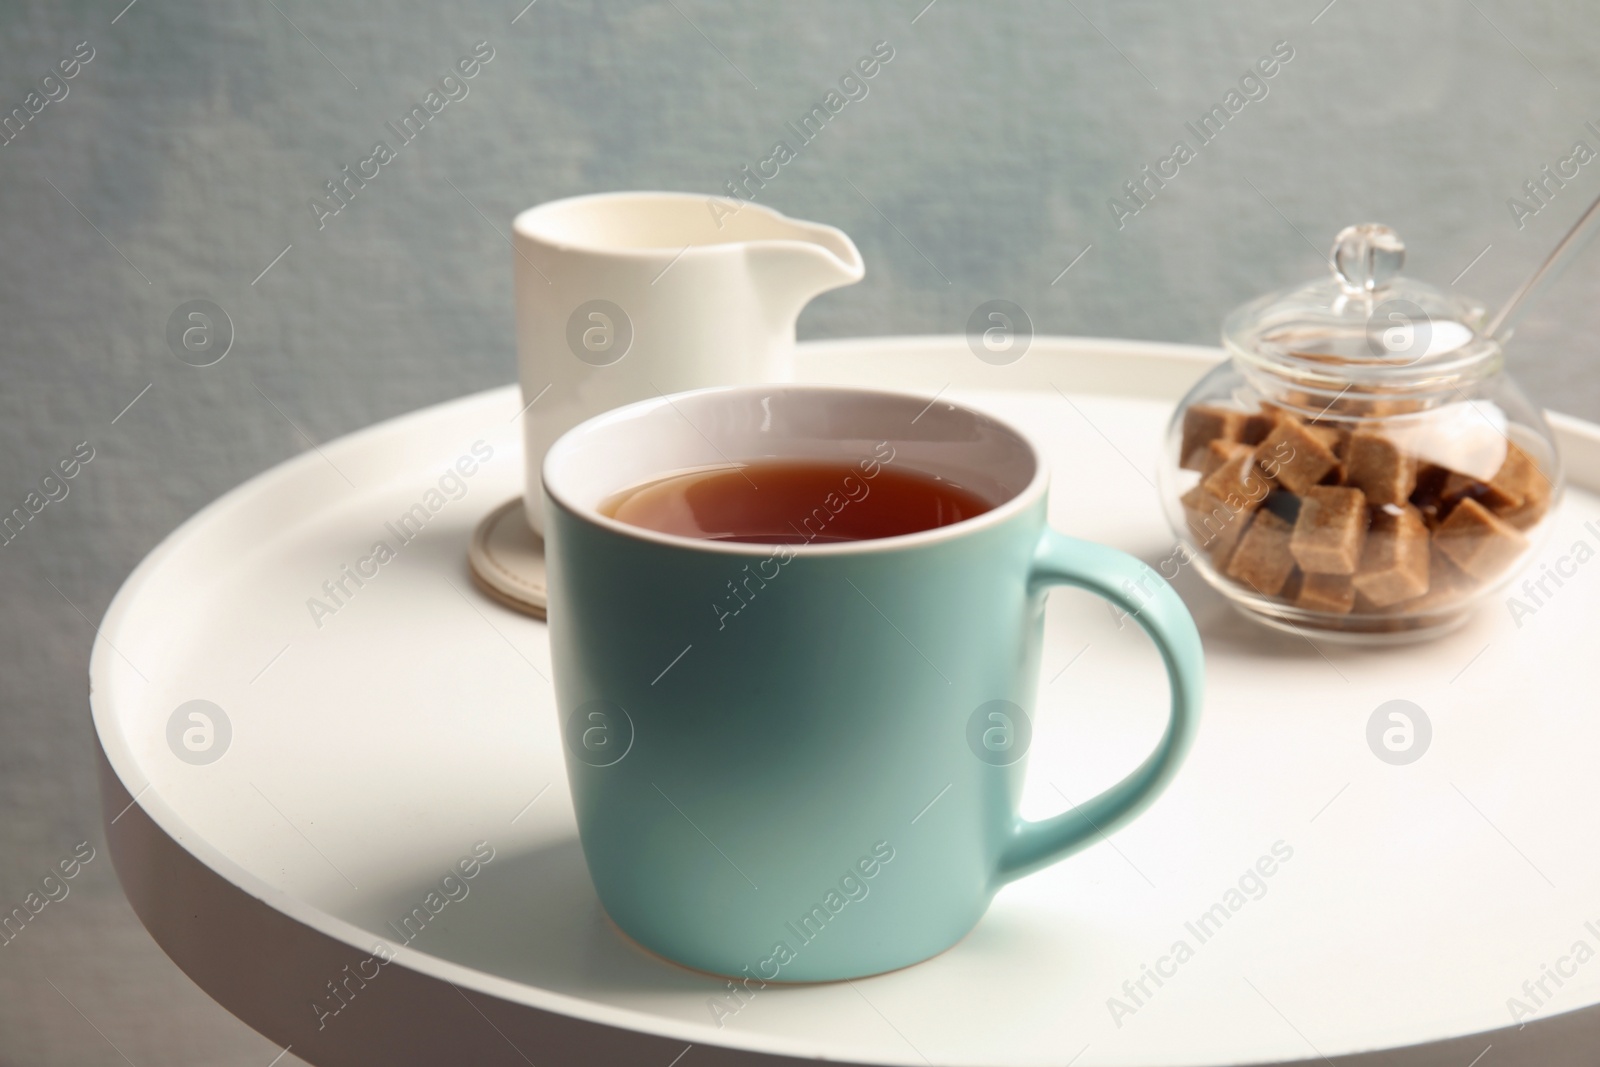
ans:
(377, 743)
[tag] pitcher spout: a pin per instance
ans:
(792, 269)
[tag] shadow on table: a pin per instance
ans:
(533, 917)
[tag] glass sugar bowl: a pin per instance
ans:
(1362, 467)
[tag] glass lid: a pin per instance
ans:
(1365, 324)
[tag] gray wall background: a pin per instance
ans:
(991, 142)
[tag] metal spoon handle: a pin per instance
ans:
(1560, 257)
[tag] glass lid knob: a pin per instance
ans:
(1365, 256)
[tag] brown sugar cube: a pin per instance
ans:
(1276, 413)
(1262, 560)
(1458, 486)
(1239, 483)
(1394, 564)
(1478, 541)
(1332, 436)
(1294, 456)
(1527, 515)
(1257, 426)
(1376, 465)
(1330, 530)
(1332, 593)
(1521, 476)
(1337, 439)
(1214, 526)
(1519, 482)
(1444, 576)
(1292, 585)
(1448, 585)
(1203, 424)
(1216, 453)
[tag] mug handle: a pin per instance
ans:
(1063, 560)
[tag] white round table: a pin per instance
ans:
(359, 740)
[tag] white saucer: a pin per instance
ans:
(507, 559)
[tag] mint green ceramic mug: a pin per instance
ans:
(752, 788)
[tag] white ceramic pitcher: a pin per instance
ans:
(622, 296)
